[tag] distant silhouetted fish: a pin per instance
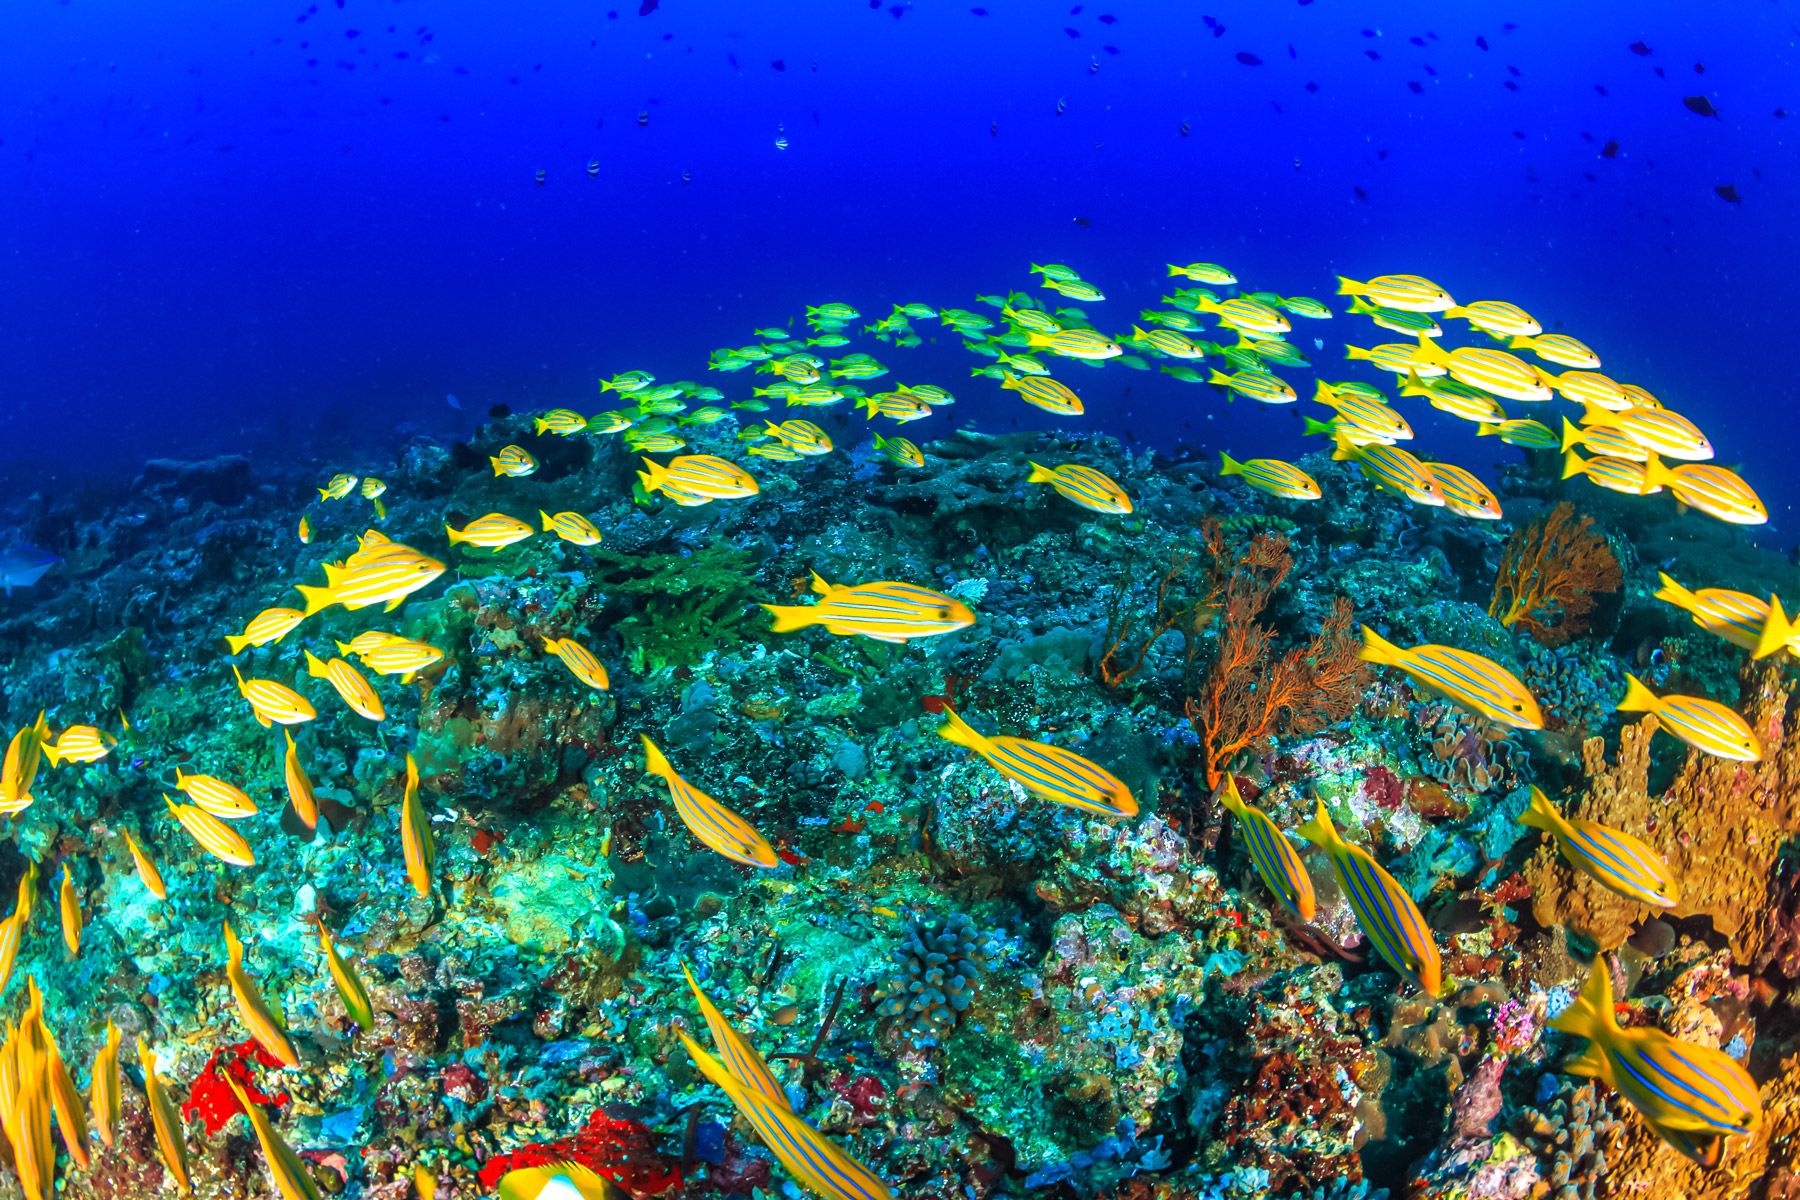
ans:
(23, 566)
(1728, 193)
(1640, 49)
(1700, 106)
(778, 64)
(1481, 41)
(1417, 87)
(1610, 150)
(1108, 19)
(978, 12)
(1248, 59)
(452, 401)
(648, 7)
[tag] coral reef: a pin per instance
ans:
(935, 973)
(1552, 574)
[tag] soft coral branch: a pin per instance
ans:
(1550, 574)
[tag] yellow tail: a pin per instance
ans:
(1034, 338)
(1219, 378)
(1521, 343)
(1487, 429)
(653, 476)
(1010, 383)
(1638, 698)
(1656, 475)
(240, 677)
(1229, 465)
(51, 753)
(317, 598)
(1229, 796)
(1591, 1015)
(545, 518)
(1360, 305)
(1040, 474)
(1414, 386)
(820, 585)
(1377, 649)
(1357, 353)
(958, 732)
(498, 469)
(236, 643)
(456, 536)
(315, 666)
(791, 617)
(1573, 464)
(1541, 814)
(1320, 831)
(1777, 632)
(1349, 287)
(1673, 593)
(1571, 436)
(380, 508)
(655, 761)
(1456, 310)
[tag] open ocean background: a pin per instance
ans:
(292, 230)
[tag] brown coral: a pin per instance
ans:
(1550, 574)
(1719, 826)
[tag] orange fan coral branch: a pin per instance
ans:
(1551, 572)
(1250, 693)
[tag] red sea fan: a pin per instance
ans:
(620, 1150)
(210, 1097)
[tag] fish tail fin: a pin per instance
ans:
(317, 598)
(1573, 464)
(1592, 1012)
(1571, 436)
(1040, 474)
(537, 425)
(1219, 378)
(498, 469)
(653, 476)
(1456, 310)
(234, 949)
(789, 617)
(1673, 593)
(1349, 287)
(455, 536)
(1486, 429)
(1638, 698)
(380, 508)
(53, 754)
(239, 675)
(1311, 427)
(1229, 796)
(1377, 649)
(545, 518)
(1428, 351)
(324, 494)
(1414, 385)
(1229, 466)
(1034, 338)
(1359, 305)
(1319, 830)
(1520, 343)
(1010, 383)
(315, 666)
(958, 732)
(1357, 353)
(1342, 450)
(655, 761)
(1540, 813)
(236, 643)
(821, 585)
(1175, 270)
(1777, 631)
(1656, 475)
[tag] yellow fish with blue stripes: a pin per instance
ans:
(1612, 858)
(1385, 912)
(886, 610)
(1678, 1086)
(740, 1057)
(252, 1008)
(1738, 617)
(1706, 725)
(820, 1166)
(1391, 469)
(717, 827)
(1271, 475)
(571, 527)
(1052, 772)
(1274, 856)
(1464, 495)
(1409, 293)
(288, 1172)
(1478, 684)
(1085, 486)
(1043, 392)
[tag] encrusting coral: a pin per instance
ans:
(1720, 826)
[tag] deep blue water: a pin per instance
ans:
(293, 229)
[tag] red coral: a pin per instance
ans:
(210, 1097)
(1250, 693)
(1550, 573)
(620, 1150)
(1382, 788)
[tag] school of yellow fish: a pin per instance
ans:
(1693, 1097)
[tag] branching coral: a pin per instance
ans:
(1129, 637)
(1550, 575)
(1250, 693)
(676, 607)
(1720, 827)
(935, 973)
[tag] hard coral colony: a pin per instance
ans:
(469, 947)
